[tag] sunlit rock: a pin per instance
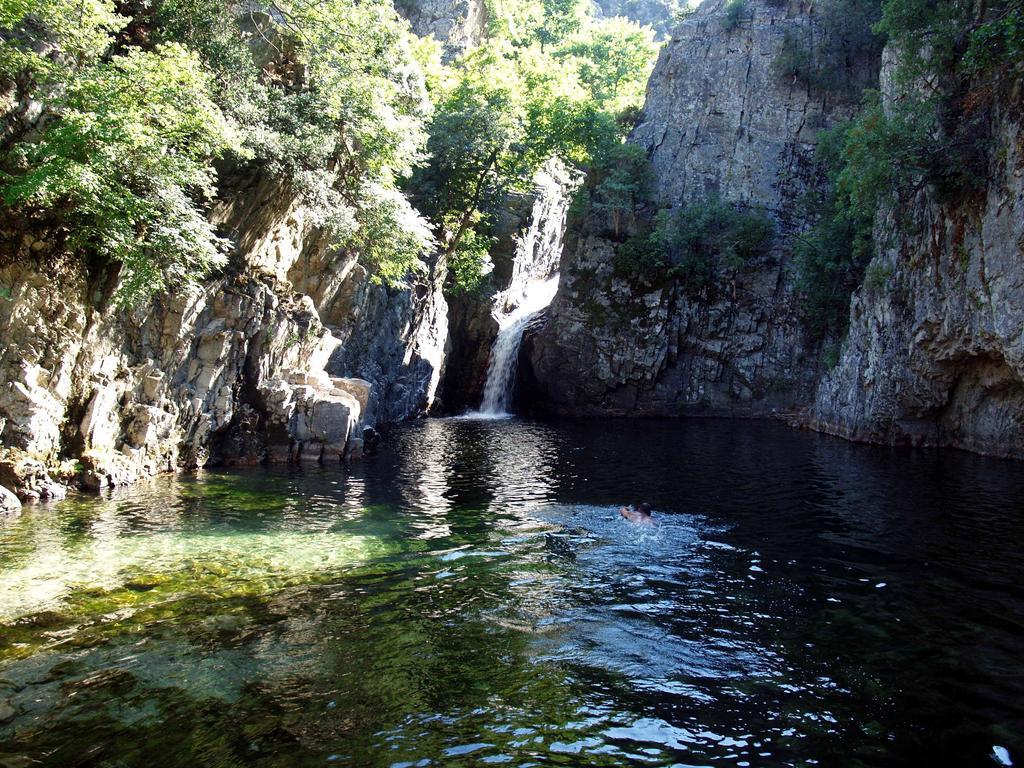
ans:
(10, 504)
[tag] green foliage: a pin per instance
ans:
(933, 131)
(702, 237)
(332, 96)
(795, 59)
(469, 262)
(612, 60)
(830, 356)
(137, 112)
(829, 263)
(883, 153)
(391, 236)
(997, 44)
(831, 256)
(876, 277)
(696, 243)
(944, 40)
(735, 12)
(475, 145)
(561, 19)
(327, 96)
(619, 185)
(124, 159)
(874, 158)
(80, 30)
(549, 81)
(643, 254)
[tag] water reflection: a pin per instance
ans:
(470, 596)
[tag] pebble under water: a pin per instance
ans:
(469, 597)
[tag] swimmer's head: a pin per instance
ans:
(644, 508)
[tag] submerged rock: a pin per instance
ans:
(7, 712)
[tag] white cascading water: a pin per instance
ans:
(532, 287)
(501, 371)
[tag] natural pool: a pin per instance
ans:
(468, 597)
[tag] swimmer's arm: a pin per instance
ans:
(624, 512)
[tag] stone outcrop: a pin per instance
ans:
(718, 123)
(935, 351)
(239, 367)
(28, 476)
(10, 504)
(283, 357)
(458, 24)
(660, 15)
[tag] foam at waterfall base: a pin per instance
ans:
(483, 416)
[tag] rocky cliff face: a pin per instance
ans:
(660, 15)
(244, 367)
(458, 24)
(935, 352)
(718, 122)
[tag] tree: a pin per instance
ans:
(620, 184)
(136, 111)
(613, 58)
(562, 18)
(475, 146)
(126, 160)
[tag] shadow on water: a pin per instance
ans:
(470, 596)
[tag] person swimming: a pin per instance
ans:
(641, 515)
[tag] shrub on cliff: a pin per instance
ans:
(955, 59)
(696, 243)
(704, 237)
(843, 57)
(619, 186)
(735, 12)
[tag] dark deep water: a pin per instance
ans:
(468, 597)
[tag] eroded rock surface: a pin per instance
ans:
(239, 367)
(718, 123)
(459, 24)
(935, 352)
(660, 15)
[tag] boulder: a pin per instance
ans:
(28, 477)
(357, 388)
(10, 504)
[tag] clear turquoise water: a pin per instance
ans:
(469, 597)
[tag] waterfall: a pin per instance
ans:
(501, 371)
(532, 286)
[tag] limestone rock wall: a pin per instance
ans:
(240, 367)
(459, 24)
(718, 122)
(935, 351)
(660, 15)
